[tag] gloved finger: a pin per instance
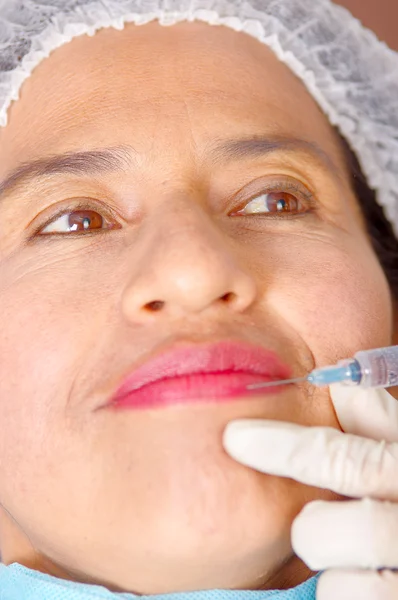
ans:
(357, 585)
(353, 534)
(317, 456)
(370, 413)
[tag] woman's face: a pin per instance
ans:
(148, 500)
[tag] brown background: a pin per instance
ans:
(379, 15)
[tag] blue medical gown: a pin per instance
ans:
(20, 583)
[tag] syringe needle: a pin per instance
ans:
(255, 386)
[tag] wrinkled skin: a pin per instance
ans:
(148, 501)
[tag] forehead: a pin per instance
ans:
(158, 88)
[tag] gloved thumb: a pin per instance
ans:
(371, 413)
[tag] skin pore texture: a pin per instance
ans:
(148, 501)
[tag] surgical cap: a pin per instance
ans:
(351, 74)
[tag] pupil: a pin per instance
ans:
(281, 205)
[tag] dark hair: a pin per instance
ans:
(380, 230)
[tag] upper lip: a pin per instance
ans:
(221, 357)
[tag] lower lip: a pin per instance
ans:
(194, 389)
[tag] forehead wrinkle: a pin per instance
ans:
(87, 162)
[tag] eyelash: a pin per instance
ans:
(278, 186)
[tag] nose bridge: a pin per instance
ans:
(193, 243)
(186, 264)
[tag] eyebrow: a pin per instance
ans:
(87, 162)
(120, 158)
(236, 149)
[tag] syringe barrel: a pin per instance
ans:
(379, 368)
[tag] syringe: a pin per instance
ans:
(368, 368)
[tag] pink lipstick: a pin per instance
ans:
(200, 373)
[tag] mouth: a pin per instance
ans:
(211, 373)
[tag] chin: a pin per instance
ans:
(234, 538)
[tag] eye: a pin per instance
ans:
(75, 220)
(274, 203)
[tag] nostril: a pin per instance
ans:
(154, 306)
(229, 297)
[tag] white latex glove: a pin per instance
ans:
(348, 539)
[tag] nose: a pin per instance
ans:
(185, 265)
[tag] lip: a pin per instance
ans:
(216, 372)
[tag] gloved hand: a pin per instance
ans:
(350, 539)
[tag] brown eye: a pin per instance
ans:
(82, 220)
(273, 202)
(75, 221)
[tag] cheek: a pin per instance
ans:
(335, 297)
(41, 340)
